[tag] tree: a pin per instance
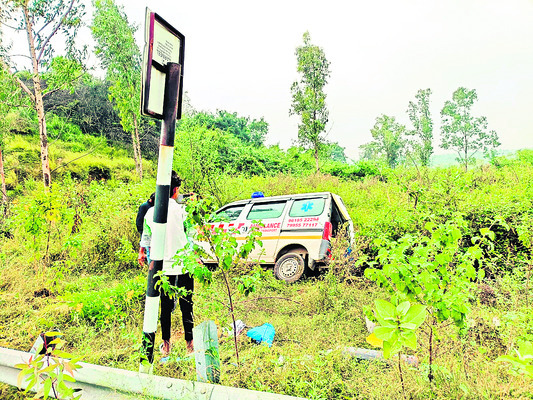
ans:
(420, 117)
(335, 152)
(42, 21)
(248, 131)
(388, 141)
(308, 97)
(461, 131)
(120, 55)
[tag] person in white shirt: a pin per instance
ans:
(176, 239)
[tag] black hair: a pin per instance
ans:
(175, 182)
(152, 198)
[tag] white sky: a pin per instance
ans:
(240, 57)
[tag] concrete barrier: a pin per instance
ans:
(98, 382)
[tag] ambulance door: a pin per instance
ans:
(270, 214)
(231, 216)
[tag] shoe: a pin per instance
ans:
(190, 347)
(164, 348)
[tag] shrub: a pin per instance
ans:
(107, 306)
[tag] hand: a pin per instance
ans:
(142, 258)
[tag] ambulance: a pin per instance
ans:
(296, 229)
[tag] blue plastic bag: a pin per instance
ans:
(264, 333)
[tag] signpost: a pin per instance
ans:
(160, 98)
(163, 44)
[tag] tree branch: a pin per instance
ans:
(11, 27)
(21, 84)
(45, 42)
(20, 55)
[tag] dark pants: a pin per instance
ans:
(167, 305)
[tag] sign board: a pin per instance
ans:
(162, 44)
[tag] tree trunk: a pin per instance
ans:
(38, 101)
(3, 178)
(316, 160)
(137, 148)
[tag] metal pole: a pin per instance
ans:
(162, 194)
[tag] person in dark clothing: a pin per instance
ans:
(175, 240)
(143, 208)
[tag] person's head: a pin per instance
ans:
(175, 183)
(152, 198)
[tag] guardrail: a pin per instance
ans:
(98, 382)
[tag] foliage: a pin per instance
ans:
(388, 141)
(48, 372)
(433, 270)
(312, 316)
(248, 131)
(108, 307)
(522, 363)
(420, 117)
(461, 131)
(121, 57)
(357, 171)
(398, 324)
(222, 245)
(42, 21)
(308, 97)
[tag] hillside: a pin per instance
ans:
(78, 244)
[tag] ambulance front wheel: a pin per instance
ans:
(289, 267)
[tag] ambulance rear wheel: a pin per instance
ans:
(289, 267)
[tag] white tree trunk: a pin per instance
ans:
(38, 101)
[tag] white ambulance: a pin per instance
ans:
(296, 230)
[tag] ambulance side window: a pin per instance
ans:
(230, 213)
(266, 210)
(307, 207)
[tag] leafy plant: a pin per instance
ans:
(222, 245)
(522, 363)
(107, 306)
(48, 372)
(433, 270)
(397, 327)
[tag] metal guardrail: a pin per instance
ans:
(98, 382)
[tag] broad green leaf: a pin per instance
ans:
(430, 226)
(402, 308)
(416, 315)
(505, 358)
(409, 339)
(525, 348)
(384, 309)
(32, 383)
(384, 333)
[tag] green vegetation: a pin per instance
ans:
(78, 244)
(449, 247)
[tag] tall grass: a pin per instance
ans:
(69, 263)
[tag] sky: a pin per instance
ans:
(240, 57)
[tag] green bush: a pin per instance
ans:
(105, 307)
